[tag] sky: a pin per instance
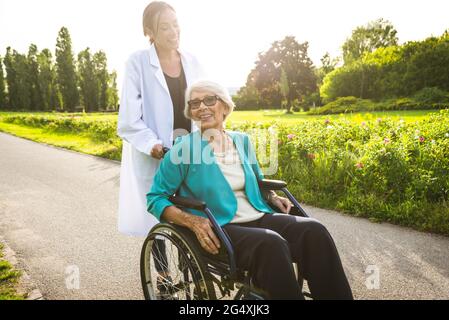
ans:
(225, 35)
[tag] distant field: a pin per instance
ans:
(270, 116)
(103, 116)
(276, 115)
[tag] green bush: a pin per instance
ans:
(423, 101)
(345, 105)
(431, 96)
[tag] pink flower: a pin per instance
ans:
(386, 141)
(327, 121)
(363, 124)
(359, 165)
(422, 139)
(311, 156)
(290, 136)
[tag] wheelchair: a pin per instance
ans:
(174, 266)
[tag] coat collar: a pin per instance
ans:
(185, 61)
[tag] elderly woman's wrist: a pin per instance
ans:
(186, 219)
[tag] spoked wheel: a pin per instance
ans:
(171, 267)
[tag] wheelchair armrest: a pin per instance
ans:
(188, 203)
(266, 184)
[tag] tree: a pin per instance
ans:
(113, 99)
(24, 81)
(65, 70)
(11, 78)
(3, 97)
(247, 98)
(36, 99)
(293, 58)
(376, 34)
(265, 78)
(328, 64)
(88, 81)
(100, 64)
(47, 81)
(285, 90)
(18, 80)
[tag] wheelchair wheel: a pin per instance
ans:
(171, 266)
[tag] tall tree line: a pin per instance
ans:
(38, 81)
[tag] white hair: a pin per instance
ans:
(209, 87)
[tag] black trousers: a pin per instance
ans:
(268, 247)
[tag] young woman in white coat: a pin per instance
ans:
(151, 110)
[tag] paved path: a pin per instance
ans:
(58, 210)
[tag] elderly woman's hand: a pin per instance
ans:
(280, 202)
(202, 228)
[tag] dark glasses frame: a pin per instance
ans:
(196, 103)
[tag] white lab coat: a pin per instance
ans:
(145, 119)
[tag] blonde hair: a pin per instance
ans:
(151, 16)
(210, 87)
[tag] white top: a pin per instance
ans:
(231, 167)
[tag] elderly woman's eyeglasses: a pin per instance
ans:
(208, 101)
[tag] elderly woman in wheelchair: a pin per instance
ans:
(219, 228)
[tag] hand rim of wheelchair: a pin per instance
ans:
(233, 272)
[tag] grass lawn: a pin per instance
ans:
(76, 142)
(8, 279)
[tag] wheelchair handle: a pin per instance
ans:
(266, 184)
(188, 203)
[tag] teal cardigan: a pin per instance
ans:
(190, 170)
